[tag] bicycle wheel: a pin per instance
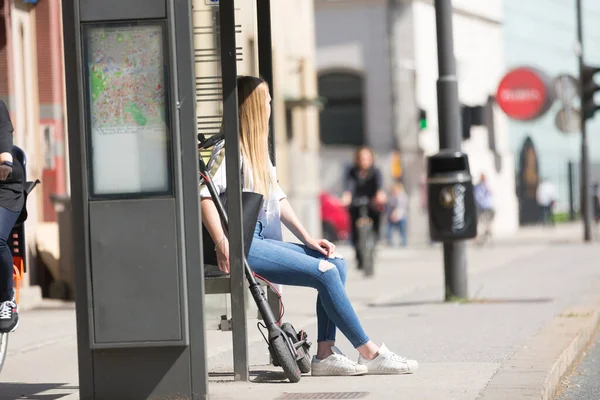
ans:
(370, 254)
(3, 348)
(366, 242)
(286, 359)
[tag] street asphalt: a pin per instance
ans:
(584, 382)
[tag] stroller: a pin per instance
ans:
(289, 349)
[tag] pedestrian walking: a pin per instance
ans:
(397, 212)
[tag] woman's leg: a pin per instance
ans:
(376, 217)
(7, 222)
(402, 229)
(326, 328)
(287, 266)
(389, 232)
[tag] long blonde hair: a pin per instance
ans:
(254, 132)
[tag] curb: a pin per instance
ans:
(570, 356)
(536, 370)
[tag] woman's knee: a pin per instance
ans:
(330, 272)
(340, 265)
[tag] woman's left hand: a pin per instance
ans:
(323, 246)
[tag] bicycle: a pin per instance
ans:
(16, 241)
(366, 238)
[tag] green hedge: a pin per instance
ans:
(564, 217)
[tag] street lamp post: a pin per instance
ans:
(455, 261)
(585, 162)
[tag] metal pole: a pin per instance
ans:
(265, 59)
(79, 206)
(455, 262)
(234, 195)
(570, 173)
(585, 162)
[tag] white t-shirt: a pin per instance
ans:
(270, 215)
(546, 193)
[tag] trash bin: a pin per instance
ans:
(451, 201)
(63, 287)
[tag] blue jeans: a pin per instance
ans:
(297, 265)
(400, 226)
(7, 222)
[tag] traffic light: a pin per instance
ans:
(588, 89)
(422, 119)
(471, 116)
(466, 122)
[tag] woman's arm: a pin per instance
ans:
(348, 187)
(380, 196)
(212, 222)
(291, 221)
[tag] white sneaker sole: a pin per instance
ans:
(338, 373)
(392, 372)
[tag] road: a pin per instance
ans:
(584, 383)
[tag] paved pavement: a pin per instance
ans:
(584, 382)
(517, 288)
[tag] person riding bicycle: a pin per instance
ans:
(363, 179)
(11, 203)
(312, 264)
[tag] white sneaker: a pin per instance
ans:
(336, 364)
(388, 363)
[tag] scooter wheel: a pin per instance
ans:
(304, 364)
(285, 359)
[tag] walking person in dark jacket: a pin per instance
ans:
(11, 203)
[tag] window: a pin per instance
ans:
(341, 121)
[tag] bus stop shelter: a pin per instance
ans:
(133, 94)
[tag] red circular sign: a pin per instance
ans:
(523, 94)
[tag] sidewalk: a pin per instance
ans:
(517, 291)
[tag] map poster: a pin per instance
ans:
(125, 67)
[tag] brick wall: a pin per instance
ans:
(4, 47)
(45, 64)
(50, 91)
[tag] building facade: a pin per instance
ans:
(32, 85)
(386, 52)
(542, 35)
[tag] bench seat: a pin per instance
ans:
(217, 282)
